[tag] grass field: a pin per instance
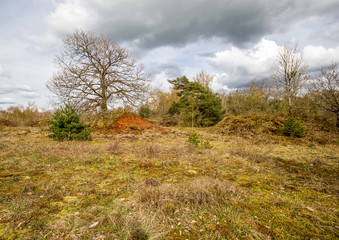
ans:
(157, 186)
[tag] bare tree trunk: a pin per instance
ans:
(104, 111)
(289, 106)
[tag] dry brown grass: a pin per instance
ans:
(156, 186)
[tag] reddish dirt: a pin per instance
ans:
(129, 122)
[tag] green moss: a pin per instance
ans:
(243, 188)
(9, 233)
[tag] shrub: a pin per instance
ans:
(196, 141)
(66, 125)
(293, 128)
(144, 111)
(29, 116)
(206, 144)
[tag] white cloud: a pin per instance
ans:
(160, 81)
(220, 82)
(70, 15)
(45, 43)
(23, 87)
(4, 73)
(6, 100)
(8, 88)
(318, 56)
(29, 94)
(237, 67)
(17, 90)
(169, 40)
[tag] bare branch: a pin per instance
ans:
(95, 72)
(290, 73)
(325, 90)
(204, 79)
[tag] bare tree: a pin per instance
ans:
(95, 72)
(289, 74)
(326, 90)
(204, 79)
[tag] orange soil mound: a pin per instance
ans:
(129, 122)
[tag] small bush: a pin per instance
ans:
(29, 116)
(294, 128)
(196, 141)
(206, 144)
(66, 125)
(144, 111)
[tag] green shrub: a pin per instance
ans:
(196, 141)
(66, 125)
(293, 128)
(144, 111)
(206, 144)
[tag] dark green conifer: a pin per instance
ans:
(66, 125)
(293, 128)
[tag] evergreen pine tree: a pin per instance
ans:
(293, 128)
(66, 125)
(197, 105)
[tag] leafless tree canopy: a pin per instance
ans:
(326, 90)
(95, 72)
(204, 79)
(289, 73)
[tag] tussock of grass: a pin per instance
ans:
(156, 186)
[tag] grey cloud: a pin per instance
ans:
(239, 81)
(21, 90)
(154, 23)
(172, 70)
(176, 23)
(7, 88)
(207, 54)
(243, 85)
(240, 78)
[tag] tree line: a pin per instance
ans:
(290, 91)
(96, 76)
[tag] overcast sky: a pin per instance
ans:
(235, 40)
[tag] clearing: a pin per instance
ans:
(155, 185)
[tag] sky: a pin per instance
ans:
(236, 41)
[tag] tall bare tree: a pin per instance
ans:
(289, 74)
(94, 72)
(204, 79)
(326, 90)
